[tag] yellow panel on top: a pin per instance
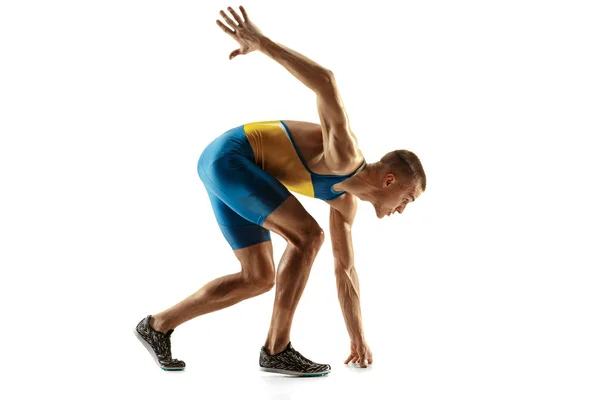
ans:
(274, 153)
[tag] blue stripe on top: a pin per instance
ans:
(323, 184)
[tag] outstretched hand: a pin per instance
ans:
(360, 353)
(241, 30)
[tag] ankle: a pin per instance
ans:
(159, 324)
(275, 347)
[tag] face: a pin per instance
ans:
(393, 196)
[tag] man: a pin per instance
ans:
(249, 172)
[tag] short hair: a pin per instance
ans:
(406, 164)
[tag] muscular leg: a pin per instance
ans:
(256, 277)
(304, 239)
(242, 193)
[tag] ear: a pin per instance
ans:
(388, 180)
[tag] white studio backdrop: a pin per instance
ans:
(485, 288)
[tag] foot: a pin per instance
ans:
(291, 362)
(158, 345)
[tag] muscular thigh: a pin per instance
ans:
(291, 221)
(242, 195)
(237, 230)
(257, 261)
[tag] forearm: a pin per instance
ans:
(349, 297)
(307, 71)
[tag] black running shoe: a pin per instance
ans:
(158, 345)
(290, 362)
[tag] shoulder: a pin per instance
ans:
(342, 152)
(352, 165)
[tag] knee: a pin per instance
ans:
(311, 238)
(317, 237)
(262, 281)
(265, 282)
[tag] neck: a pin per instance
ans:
(363, 184)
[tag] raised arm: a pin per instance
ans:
(338, 140)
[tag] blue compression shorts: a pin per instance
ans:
(242, 195)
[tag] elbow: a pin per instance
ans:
(328, 75)
(325, 82)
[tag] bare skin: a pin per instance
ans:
(308, 138)
(257, 276)
(372, 184)
(304, 237)
(329, 148)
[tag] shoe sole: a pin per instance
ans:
(152, 354)
(294, 373)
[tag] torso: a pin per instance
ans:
(309, 142)
(293, 153)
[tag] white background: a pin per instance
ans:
(485, 288)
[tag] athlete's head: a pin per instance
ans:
(401, 180)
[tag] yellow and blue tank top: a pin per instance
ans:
(276, 153)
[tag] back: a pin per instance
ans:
(276, 153)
